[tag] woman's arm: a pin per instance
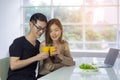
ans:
(52, 66)
(65, 56)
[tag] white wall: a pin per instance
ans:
(10, 21)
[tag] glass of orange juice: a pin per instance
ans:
(52, 48)
(45, 49)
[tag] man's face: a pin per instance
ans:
(39, 28)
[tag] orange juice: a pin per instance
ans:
(45, 49)
(52, 48)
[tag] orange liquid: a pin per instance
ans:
(45, 49)
(51, 50)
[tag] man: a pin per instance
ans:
(24, 51)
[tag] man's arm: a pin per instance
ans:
(16, 63)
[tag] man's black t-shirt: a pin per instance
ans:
(23, 49)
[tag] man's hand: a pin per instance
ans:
(42, 56)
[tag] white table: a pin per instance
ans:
(74, 73)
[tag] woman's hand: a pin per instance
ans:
(56, 51)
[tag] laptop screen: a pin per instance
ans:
(111, 56)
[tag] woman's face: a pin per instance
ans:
(55, 32)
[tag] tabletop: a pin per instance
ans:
(75, 73)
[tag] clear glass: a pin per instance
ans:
(101, 33)
(68, 14)
(101, 2)
(26, 28)
(100, 15)
(77, 46)
(72, 32)
(119, 36)
(30, 11)
(100, 46)
(67, 2)
(36, 2)
(119, 14)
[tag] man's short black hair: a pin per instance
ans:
(38, 16)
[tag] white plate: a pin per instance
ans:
(89, 70)
(88, 73)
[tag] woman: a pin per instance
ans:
(61, 55)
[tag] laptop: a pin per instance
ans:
(110, 59)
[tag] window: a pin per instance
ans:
(88, 24)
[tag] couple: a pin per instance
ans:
(25, 52)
